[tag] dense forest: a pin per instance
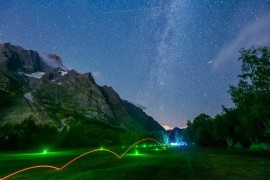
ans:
(248, 123)
(30, 134)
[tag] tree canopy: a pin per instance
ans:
(249, 121)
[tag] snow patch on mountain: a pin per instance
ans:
(29, 96)
(37, 74)
(63, 71)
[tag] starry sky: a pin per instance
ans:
(173, 58)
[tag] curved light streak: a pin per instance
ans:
(28, 168)
(80, 156)
(149, 139)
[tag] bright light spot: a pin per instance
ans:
(144, 145)
(101, 148)
(44, 151)
(179, 144)
(137, 152)
(156, 149)
(123, 147)
(167, 127)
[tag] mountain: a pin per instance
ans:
(174, 134)
(38, 84)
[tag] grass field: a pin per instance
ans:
(141, 163)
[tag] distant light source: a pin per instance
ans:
(44, 151)
(137, 152)
(179, 144)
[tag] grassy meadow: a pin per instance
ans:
(141, 162)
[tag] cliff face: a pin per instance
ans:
(15, 58)
(38, 83)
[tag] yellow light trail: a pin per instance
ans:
(80, 156)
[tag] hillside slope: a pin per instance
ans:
(39, 84)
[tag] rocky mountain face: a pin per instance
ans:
(39, 84)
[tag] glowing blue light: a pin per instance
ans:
(179, 144)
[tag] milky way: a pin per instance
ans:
(175, 58)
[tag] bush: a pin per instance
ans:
(259, 146)
(238, 146)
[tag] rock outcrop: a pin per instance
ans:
(33, 82)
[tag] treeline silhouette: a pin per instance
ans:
(249, 121)
(32, 133)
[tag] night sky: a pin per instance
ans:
(174, 58)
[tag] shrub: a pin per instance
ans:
(259, 146)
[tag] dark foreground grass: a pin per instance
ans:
(174, 163)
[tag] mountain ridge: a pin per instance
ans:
(38, 83)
